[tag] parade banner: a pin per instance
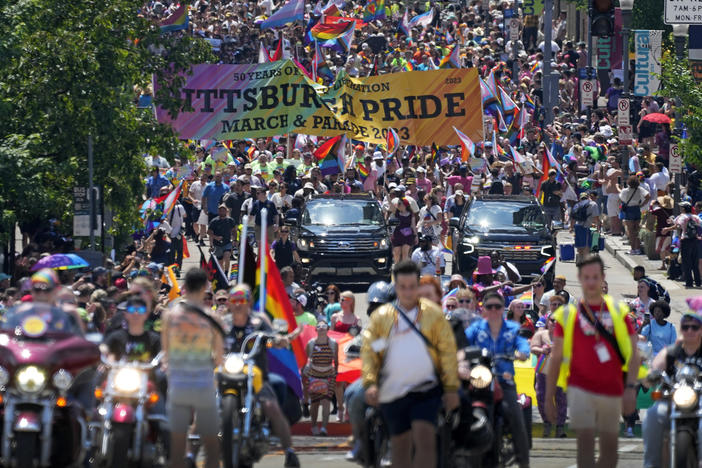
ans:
(422, 106)
(227, 102)
(647, 44)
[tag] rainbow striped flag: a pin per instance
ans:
(177, 21)
(541, 364)
(409, 66)
(330, 155)
(374, 10)
(392, 141)
(547, 265)
(452, 59)
(277, 305)
(293, 10)
(434, 153)
(329, 31)
(363, 171)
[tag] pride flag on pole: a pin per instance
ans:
(177, 21)
(467, 145)
(293, 10)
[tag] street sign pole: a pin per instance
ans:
(91, 195)
(675, 166)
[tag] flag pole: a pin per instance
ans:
(262, 257)
(242, 247)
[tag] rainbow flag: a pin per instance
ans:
(328, 31)
(545, 167)
(541, 363)
(527, 297)
(363, 171)
(277, 305)
(467, 145)
(374, 10)
(434, 153)
(452, 59)
(530, 103)
(547, 265)
(392, 141)
(409, 66)
(177, 21)
(486, 93)
(293, 10)
(330, 155)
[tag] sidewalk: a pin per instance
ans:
(619, 248)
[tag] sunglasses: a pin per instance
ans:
(238, 300)
(451, 306)
(689, 327)
(494, 306)
(465, 301)
(331, 293)
(284, 231)
(140, 310)
(552, 320)
(221, 301)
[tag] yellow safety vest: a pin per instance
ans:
(566, 317)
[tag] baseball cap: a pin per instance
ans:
(45, 280)
(301, 298)
(221, 294)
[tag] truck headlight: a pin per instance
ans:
(127, 380)
(62, 379)
(480, 377)
(233, 364)
(383, 243)
(685, 397)
(31, 379)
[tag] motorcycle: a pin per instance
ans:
(127, 433)
(44, 363)
(246, 433)
(682, 393)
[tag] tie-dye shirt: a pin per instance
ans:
(191, 341)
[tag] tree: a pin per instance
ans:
(681, 86)
(68, 70)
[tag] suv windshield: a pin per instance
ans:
(337, 212)
(492, 215)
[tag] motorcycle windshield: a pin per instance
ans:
(37, 320)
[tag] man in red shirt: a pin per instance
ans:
(602, 341)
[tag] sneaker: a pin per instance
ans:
(323, 432)
(291, 459)
(560, 432)
(315, 431)
(306, 410)
(547, 430)
(629, 432)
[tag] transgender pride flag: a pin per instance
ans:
(294, 10)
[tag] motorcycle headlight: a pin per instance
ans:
(383, 243)
(480, 377)
(233, 364)
(62, 379)
(127, 380)
(685, 397)
(4, 376)
(31, 379)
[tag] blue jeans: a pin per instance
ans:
(654, 426)
(355, 398)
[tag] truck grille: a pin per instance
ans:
(515, 255)
(351, 246)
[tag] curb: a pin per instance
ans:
(621, 255)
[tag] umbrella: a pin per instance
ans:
(60, 262)
(656, 117)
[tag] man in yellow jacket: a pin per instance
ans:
(594, 357)
(409, 362)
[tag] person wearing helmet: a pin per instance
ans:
(379, 293)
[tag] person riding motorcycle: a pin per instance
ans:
(379, 293)
(687, 352)
(500, 336)
(244, 323)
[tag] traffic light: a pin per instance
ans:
(602, 17)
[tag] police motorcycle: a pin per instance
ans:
(127, 433)
(45, 362)
(246, 433)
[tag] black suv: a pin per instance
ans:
(513, 225)
(343, 239)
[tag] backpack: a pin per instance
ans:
(580, 213)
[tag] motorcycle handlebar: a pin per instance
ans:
(138, 365)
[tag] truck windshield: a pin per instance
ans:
(485, 216)
(346, 212)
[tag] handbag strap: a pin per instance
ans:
(411, 324)
(603, 331)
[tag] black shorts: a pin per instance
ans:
(416, 406)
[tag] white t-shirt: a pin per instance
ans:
(407, 364)
(195, 193)
(433, 214)
(658, 181)
(282, 200)
(427, 260)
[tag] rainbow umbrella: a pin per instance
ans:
(60, 262)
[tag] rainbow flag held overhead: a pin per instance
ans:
(409, 66)
(330, 155)
(329, 31)
(293, 10)
(177, 21)
(526, 297)
(547, 265)
(374, 10)
(467, 145)
(363, 171)
(392, 141)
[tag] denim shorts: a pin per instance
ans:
(415, 406)
(582, 236)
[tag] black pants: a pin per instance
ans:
(689, 252)
(177, 250)
(189, 211)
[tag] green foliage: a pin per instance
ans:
(68, 70)
(648, 14)
(679, 84)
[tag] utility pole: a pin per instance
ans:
(91, 192)
(548, 51)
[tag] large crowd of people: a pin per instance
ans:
(594, 186)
